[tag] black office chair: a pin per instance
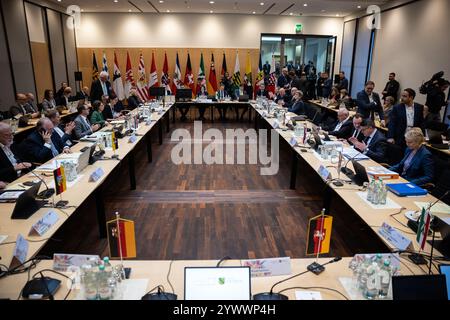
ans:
(441, 181)
(394, 153)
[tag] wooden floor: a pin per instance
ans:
(207, 211)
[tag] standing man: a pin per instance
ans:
(368, 102)
(391, 88)
(343, 82)
(436, 100)
(101, 87)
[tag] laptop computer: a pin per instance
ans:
(83, 160)
(26, 204)
(316, 142)
(360, 175)
(217, 283)
(445, 270)
(435, 139)
(419, 287)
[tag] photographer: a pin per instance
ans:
(434, 89)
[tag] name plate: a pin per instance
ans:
(293, 142)
(324, 173)
(20, 251)
(44, 224)
(3, 238)
(132, 138)
(276, 124)
(269, 267)
(394, 237)
(96, 175)
(62, 262)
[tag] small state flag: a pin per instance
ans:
(114, 141)
(129, 79)
(117, 80)
(201, 78)
(60, 180)
(224, 65)
(142, 85)
(94, 67)
(423, 228)
(177, 83)
(212, 80)
(259, 76)
(272, 77)
(165, 79)
(121, 238)
(319, 235)
(237, 72)
(188, 75)
(105, 63)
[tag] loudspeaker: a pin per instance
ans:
(78, 76)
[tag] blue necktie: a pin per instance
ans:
(54, 151)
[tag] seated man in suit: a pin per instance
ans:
(404, 116)
(23, 108)
(344, 125)
(117, 107)
(60, 91)
(356, 130)
(65, 98)
(101, 87)
(282, 98)
(108, 112)
(262, 92)
(38, 147)
(10, 166)
(298, 107)
(374, 144)
(417, 166)
(32, 103)
(61, 135)
(82, 125)
(368, 102)
(133, 100)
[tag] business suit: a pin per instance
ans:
(282, 81)
(367, 108)
(64, 101)
(133, 102)
(60, 141)
(97, 90)
(81, 127)
(398, 123)
(32, 149)
(343, 84)
(7, 172)
(421, 169)
(108, 112)
(358, 135)
(48, 105)
(21, 109)
(391, 88)
(376, 149)
(262, 93)
(345, 131)
(298, 107)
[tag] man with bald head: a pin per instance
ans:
(101, 87)
(10, 166)
(38, 147)
(23, 107)
(32, 103)
(344, 125)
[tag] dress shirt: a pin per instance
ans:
(409, 115)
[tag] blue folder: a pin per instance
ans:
(406, 189)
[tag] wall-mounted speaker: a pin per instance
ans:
(78, 76)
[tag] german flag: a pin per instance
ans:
(127, 243)
(60, 180)
(319, 235)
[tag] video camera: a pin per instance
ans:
(426, 87)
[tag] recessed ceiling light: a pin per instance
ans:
(161, 1)
(261, 3)
(211, 2)
(129, 10)
(115, 1)
(254, 12)
(167, 10)
(337, 14)
(291, 14)
(305, 4)
(82, 10)
(210, 11)
(359, 7)
(59, 0)
(323, 10)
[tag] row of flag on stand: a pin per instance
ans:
(209, 85)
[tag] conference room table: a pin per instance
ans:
(76, 193)
(336, 276)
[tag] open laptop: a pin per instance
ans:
(26, 204)
(217, 283)
(316, 142)
(445, 270)
(419, 287)
(360, 175)
(83, 160)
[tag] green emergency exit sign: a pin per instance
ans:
(298, 28)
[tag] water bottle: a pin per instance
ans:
(383, 194)
(362, 275)
(385, 279)
(372, 287)
(370, 190)
(104, 291)
(108, 267)
(88, 282)
(376, 193)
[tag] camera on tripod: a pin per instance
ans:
(427, 87)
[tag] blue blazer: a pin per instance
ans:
(58, 141)
(421, 170)
(297, 108)
(397, 122)
(377, 147)
(365, 107)
(33, 149)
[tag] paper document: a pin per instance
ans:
(437, 208)
(352, 153)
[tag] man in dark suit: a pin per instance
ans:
(23, 108)
(344, 125)
(374, 143)
(298, 107)
(368, 102)
(133, 100)
(282, 97)
(356, 130)
(391, 88)
(82, 125)
(266, 68)
(262, 92)
(407, 114)
(10, 166)
(60, 92)
(343, 82)
(283, 79)
(38, 147)
(101, 87)
(61, 136)
(65, 98)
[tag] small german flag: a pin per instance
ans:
(60, 180)
(114, 141)
(127, 244)
(319, 235)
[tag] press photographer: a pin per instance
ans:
(435, 90)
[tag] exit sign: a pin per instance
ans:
(298, 28)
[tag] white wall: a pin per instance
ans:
(413, 42)
(106, 30)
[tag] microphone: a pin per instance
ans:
(413, 225)
(278, 296)
(50, 296)
(349, 172)
(48, 192)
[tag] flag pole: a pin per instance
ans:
(120, 244)
(321, 235)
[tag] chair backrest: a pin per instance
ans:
(394, 153)
(441, 178)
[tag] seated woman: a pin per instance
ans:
(417, 166)
(49, 102)
(97, 115)
(334, 97)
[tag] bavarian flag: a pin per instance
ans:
(319, 235)
(126, 244)
(114, 141)
(60, 180)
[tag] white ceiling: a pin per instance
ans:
(272, 7)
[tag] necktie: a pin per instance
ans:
(366, 140)
(54, 151)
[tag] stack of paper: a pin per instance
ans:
(352, 153)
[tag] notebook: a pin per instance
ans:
(406, 189)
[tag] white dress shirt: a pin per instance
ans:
(409, 116)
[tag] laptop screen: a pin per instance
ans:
(445, 270)
(222, 283)
(419, 287)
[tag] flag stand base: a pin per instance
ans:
(270, 296)
(61, 204)
(417, 259)
(316, 268)
(115, 156)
